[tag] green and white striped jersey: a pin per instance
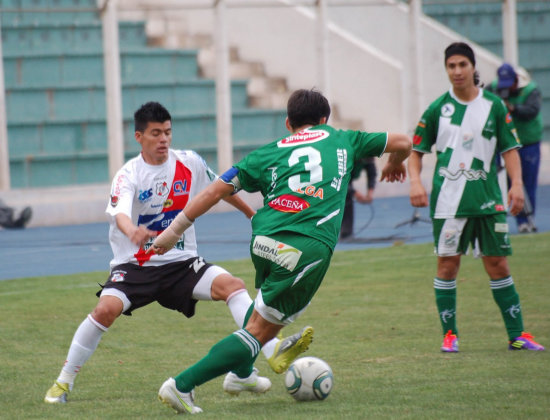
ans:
(466, 137)
(304, 179)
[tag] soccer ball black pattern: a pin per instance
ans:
(309, 379)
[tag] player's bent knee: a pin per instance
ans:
(225, 285)
(107, 310)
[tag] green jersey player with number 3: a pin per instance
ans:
(303, 179)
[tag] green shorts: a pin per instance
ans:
(488, 236)
(289, 270)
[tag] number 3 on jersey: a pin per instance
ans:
(313, 166)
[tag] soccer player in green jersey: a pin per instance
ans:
(304, 180)
(468, 126)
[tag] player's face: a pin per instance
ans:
(460, 71)
(155, 142)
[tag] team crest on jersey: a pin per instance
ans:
(161, 188)
(114, 200)
(467, 141)
(447, 110)
(287, 203)
(303, 137)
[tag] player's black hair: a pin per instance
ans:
(306, 107)
(461, 48)
(150, 112)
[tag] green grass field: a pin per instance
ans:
(375, 324)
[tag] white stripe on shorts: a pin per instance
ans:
(203, 289)
(304, 271)
(110, 291)
(273, 315)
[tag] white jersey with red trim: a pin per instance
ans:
(152, 196)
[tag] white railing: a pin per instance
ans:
(320, 51)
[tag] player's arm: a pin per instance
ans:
(515, 193)
(399, 148)
(417, 195)
(139, 235)
(240, 205)
(199, 205)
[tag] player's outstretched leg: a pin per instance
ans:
(57, 394)
(289, 348)
(234, 385)
(525, 342)
(182, 402)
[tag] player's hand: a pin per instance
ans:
(393, 173)
(140, 235)
(362, 198)
(165, 241)
(156, 250)
(516, 199)
(418, 195)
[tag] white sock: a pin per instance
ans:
(85, 341)
(238, 303)
(269, 347)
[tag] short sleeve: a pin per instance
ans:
(507, 136)
(425, 132)
(250, 171)
(122, 195)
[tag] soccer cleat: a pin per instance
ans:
(234, 385)
(182, 402)
(57, 394)
(526, 228)
(289, 349)
(525, 342)
(450, 343)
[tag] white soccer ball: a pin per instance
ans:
(309, 379)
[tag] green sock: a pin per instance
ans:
(245, 370)
(445, 299)
(236, 351)
(507, 299)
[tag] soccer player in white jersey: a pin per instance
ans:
(304, 179)
(468, 126)
(147, 193)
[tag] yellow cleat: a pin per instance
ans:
(288, 349)
(57, 394)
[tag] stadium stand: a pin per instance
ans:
(55, 94)
(482, 23)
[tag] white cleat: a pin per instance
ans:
(182, 402)
(234, 385)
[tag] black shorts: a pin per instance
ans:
(171, 285)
